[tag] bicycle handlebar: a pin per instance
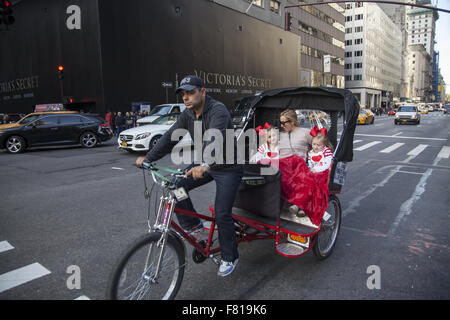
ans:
(153, 169)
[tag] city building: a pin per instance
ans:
(373, 49)
(321, 30)
(421, 25)
(114, 59)
(419, 76)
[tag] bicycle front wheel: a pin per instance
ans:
(134, 277)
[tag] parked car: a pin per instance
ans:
(145, 137)
(54, 128)
(366, 117)
(31, 117)
(161, 110)
(447, 109)
(407, 113)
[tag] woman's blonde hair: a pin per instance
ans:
(324, 140)
(291, 116)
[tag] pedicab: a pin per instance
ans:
(153, 266)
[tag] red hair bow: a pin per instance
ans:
(260, 129)
(314, 131)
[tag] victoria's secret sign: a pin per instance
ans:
(233, 80)
(19, 84)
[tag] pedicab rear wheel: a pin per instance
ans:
(326, 237)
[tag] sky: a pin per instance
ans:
(443, 41)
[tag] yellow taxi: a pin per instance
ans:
(30, 117)
(365, 117)
(423, 110)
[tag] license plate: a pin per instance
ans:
(124, 144)
(404, 120)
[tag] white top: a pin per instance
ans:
(295, 143)
(321, 160)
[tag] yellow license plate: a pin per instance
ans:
(404, 120)
(123, 144)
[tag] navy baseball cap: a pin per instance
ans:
(190, 83)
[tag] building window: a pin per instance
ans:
(359, 29)
(359, 41)
(348, 54)
(259, 3)
(348, 18)
(348, 78)
(348, 66)
(357, 77)
(359, 17)
(358, 53)
(275, 6)
(358, 65)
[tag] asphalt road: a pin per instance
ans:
(72, 211)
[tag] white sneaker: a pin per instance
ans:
(226, 268)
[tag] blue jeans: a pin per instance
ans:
(227, 183)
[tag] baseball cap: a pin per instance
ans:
(190, 83)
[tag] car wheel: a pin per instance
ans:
(15, 144)
(88, 140)
(153, 142)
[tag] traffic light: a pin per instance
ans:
(287, 21)
(6, 16)
(60, 72)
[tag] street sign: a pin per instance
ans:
(167, 84)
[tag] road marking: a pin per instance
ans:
(397, 134)
(356, 141)
(82, 298)
(444, 153)
(398, 137)
(406, 207)
(22, 275)
(367, 146)
(392, 148)
(117, 168)
(417, 150)
(5, 246)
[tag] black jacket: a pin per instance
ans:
(214, 116)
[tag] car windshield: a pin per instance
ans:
(167, 120)
(159, 111)
(242, 107)
(29, 119)
(407, 109)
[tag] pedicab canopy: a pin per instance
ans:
(267, 105)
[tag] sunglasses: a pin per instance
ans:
(284, 122)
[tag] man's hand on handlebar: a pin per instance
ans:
(196, 172)
(140, 161)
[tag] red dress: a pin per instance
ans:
(307, 190)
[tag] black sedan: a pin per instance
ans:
(55, 129)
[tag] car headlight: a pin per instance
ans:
(413, 117)
(142, 136)
(396, 116)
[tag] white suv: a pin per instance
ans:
(161, 110)
(407, 113)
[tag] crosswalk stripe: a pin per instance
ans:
(444, 153)
(22, 275)
(356, 141)
(392, 148)
(5, 246)
(367, 146)
(417, 150)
